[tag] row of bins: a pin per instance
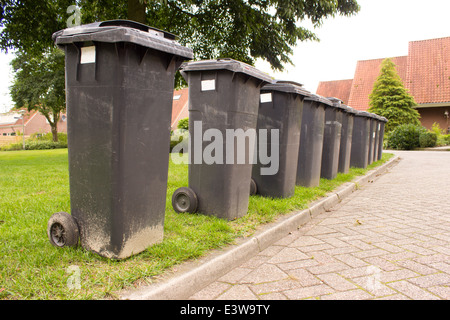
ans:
(249, 135)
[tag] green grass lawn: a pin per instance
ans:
(35, 184)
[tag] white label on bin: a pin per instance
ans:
(208, 85)
(87, 55)
(265, 97)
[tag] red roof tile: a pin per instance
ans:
(179, 106)
(428, 75)
(367, 71)
(425, 72)
(338, 88)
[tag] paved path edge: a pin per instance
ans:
(181, 284)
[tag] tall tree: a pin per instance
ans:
(390, 99)
(39, 85)
(241, 29)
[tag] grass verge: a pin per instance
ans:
(35, 184)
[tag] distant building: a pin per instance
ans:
(34, 122)
(179, 107)
(425, 72)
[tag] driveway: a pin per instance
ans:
(388, 240)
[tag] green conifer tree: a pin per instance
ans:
(390, 99)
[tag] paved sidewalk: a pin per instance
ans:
(388, 240)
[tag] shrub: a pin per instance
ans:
(427, 139)
(62, 137)
(183, 124)
(443, 140)
(179, 136)
(405, 137)
(35, 145)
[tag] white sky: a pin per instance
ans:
(381, 29)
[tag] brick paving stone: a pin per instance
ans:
(389, 240)
(397, 275)
(287, 255)
(442, 266)
(264, 273)
(304, 277)
(337, 282)
(412, 291)
(238, 292)
(211, 291)
(275, 286)
(308, 292)
(417, 267)
(431, 280)
(357, 294)
(382, 263)
(441, 291)
(374, 285)
(351, 261)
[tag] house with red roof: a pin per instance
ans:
(12, 123)
(425, 73)
(179, 107)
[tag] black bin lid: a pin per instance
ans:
(123, 31)
(288, 87)
(320, 99)
(225, 64)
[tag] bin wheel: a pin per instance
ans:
(253, 187)
(62, 230)
(184, 200)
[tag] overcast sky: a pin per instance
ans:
(381, 29)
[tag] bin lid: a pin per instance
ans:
(225, 64)
(320, 99)
(349, 110)
(123, 31)
(362, 114)
(287, 86)
(380, 118)
(373, 116)
(337, 103)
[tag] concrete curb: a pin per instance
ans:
(198, 274)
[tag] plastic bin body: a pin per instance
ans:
(346, 140)
(311, 141)
(280, 108)
(119, 99)
(360, 140)
(222, 187)
(331, 141)
(372, 138)
(377, 138)
(383, 121)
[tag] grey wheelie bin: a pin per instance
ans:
(223, 110)
(280, 113)
(119, 88)
(332, 139)
(311, 140)
(346, 139)
(360, 140)
(383, 122)
(372, 136)
(377, 137)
